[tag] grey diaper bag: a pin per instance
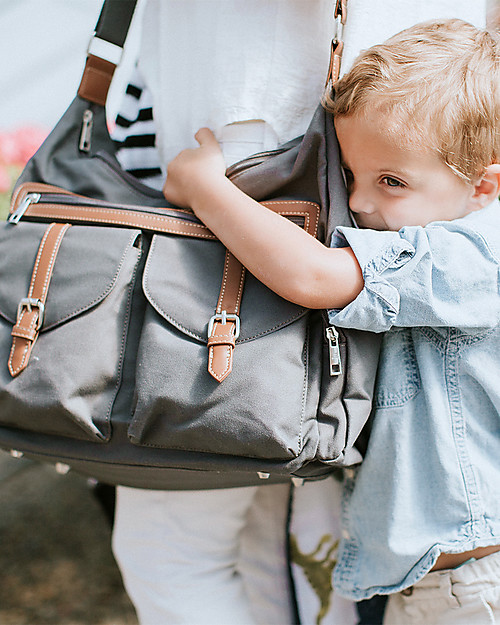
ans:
(135, 349)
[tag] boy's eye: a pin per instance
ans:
(392, 182)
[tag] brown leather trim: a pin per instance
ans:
(232, 285)
(340, 10)
(30, 316)
(221, 341)
(130, 217)
(297, 208)
(113, 216)
(220, 351)
(335, 59)
(96, 79)
(35, 187)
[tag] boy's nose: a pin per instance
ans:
(360, 202)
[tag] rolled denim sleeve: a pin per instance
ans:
(445, 274)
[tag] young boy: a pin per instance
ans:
(417, 120)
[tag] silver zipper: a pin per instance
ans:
(30, 198)
(332, 336)
(86, 134)
(64, 199)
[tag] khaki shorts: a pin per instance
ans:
(467, 595)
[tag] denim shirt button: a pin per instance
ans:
(345, 534)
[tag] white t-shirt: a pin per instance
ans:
(217, 62)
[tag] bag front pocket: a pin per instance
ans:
(70, 382)
(260, 409)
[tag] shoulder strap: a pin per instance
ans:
(337, 46)
(114, 20)
(105, 49)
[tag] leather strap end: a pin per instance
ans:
(96, 80)
(24, 335)
(220, 351)
(19, 355)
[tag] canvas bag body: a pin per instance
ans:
(117, 385)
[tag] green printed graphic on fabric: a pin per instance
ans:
(317, 571)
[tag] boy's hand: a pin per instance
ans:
(193, 172)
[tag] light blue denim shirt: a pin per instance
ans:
(430, 481)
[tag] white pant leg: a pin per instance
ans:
(467, 595)
(213, 556)
(179, 551)
(264, 559)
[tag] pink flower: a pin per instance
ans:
(18, 146)
(8, 149)
(28, 140)
(5, 181)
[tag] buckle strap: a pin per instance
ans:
(31, 309)
(104, 52)
(224, 326)
(96, 79)
(337, 45)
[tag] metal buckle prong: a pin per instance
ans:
(29, 303)
(224, 317)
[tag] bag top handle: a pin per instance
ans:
(105, 49)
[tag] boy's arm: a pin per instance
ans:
(277, 252)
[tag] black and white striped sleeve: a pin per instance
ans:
(134, 131)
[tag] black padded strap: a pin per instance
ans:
(114, 20)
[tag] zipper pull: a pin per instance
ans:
(332, 336)
(30, 198)
(86, 134)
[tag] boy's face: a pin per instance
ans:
(391, 184)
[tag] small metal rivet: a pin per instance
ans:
(263, 476)
(16, 454)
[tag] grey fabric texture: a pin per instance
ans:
(117, 385)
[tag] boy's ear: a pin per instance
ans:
(487, 188)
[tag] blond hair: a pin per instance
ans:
(439, 84)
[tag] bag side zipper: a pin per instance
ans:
(335, 361)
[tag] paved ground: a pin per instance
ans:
(56, 565)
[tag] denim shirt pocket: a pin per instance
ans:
(398, 378)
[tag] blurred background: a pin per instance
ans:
(55, 536)
(43, 46)
(55, 550)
